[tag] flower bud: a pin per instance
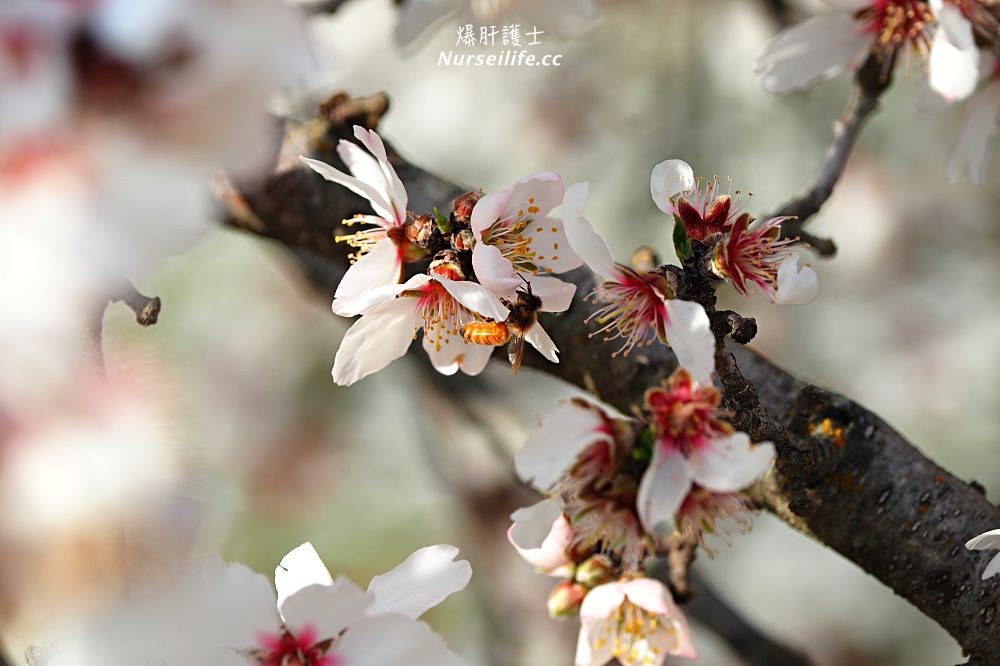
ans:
(464, 205)
(565, 599)
(447, 265)
(420, 229)
(463, 240)
(595, 570)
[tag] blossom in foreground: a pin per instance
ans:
(693, 449)
(935, 31)
(229, 615)
(554, 17)
(437, 305)
(518, 240)
(987, 541)
(744, 252)
(634, 621)
(970, 157)
(381, 249)
(638, 308)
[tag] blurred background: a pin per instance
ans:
(269, 453)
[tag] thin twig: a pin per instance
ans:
(870, 82)
(146, 308)
(750, 643)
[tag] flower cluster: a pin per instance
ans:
(227, 614)
(616, 489)
(955, 42)
(490, 269)
(743, 251)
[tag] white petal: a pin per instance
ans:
(416, 16)
(586, 653)
(551, 556)
(553, 251)
(557, 295)
(815, 49)
(390, 640)
(380, 267)
(992, 569)
(363, 302)
(367, 169)
(602, 602)
(397, 193)
(376, 198)
(474, 360)
(953, 69)
(326, 609)
(796, 286)
(985, 541)
(689, 334)
(546, 189)
(425, 579)
(668, 179)
(586, 242)
(494, 271)
(532, 524)
(541, 341)
(971, 154)
(475, 297)
(299, 569)
(487, 211)
(552, 448)
(445, 350)
(375, 340)
(662, 490)
(731, 463)
(232, 605)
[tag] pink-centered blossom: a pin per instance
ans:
(228, 616)
(693, 448)
(746, 253)
(634, 621)
(518, 240)
(936, 32)
(436, 305)
(637, 308)
(380, 249)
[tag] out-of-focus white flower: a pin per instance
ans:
(392, 317)
(971, 155)
(987, 541)
(746, 255)
(381, 249)
(936, 31)
(634, 621)
(558, 18)
(693, 449)
(227, 615)
(638, 308)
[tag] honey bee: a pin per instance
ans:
(523, 315)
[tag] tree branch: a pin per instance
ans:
(846, 477)
(870, 82)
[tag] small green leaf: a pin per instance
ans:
(682, 244)
(643, 451)
(443, 223)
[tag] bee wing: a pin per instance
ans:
(515, 350)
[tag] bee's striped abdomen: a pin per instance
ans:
(488, 333)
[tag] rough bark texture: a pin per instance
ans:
(845, 477)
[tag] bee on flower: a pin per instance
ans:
(937, 33)
(745, 252)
